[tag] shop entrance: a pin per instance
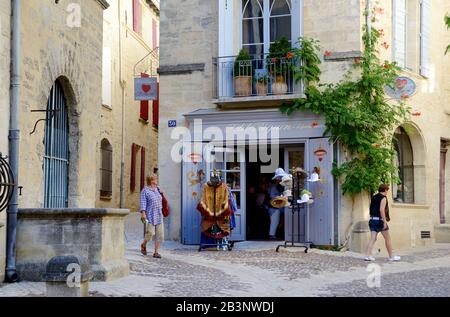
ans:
(257, 191)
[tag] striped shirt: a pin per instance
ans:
(151, 203)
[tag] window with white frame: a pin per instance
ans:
(411, 34)
(264, 22)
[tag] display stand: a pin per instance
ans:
(219, 244)
(297, 206)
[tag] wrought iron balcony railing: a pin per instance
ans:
(261, 77)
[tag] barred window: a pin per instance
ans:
(106, 169)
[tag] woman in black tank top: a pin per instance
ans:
(379, 216)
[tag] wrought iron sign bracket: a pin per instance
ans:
(46, 119)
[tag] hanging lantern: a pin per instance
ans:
(320, 153)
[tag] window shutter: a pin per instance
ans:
(154, 34)
(137, 27)
(107, 78)
(133, 168)
(425, 33)
(144, 105)
(399, 32)
(142, 168)
(156, 110)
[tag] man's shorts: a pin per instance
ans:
(156, 232)
(377, 225)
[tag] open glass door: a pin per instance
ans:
(231, 163)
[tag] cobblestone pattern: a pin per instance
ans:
(185, 278)
(423, 283)
(291, 265)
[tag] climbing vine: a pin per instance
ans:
(357, 113)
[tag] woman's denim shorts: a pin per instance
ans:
(377, 225)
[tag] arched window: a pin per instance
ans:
(264, 22)
(106, 169)
(404, 160)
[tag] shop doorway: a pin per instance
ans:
(258, 199)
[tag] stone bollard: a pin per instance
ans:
(68, 276)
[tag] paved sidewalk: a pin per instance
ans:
(255, 269)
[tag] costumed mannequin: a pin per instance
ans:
(215, 208)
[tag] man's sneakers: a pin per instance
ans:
(395, 258)
(369, 258)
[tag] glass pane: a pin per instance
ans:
(234, 180)
(280, 7)
(233, 161)
(403, 192)
(253, 8)
(255, 51)
(253, 31)
(280, 27)
(237, 198)
(296, 159)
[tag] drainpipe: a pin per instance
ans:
(122, 86)
(14, 135)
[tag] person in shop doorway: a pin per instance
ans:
(275, 191)
(151, 215)
(379, 217)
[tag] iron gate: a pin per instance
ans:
(56, 158)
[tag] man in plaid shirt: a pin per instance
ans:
(151, 215)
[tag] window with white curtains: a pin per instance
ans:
(411, 34)
(264, 22)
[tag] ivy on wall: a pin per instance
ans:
(357, 113)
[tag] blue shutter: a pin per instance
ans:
(399, 40)
(425, 15)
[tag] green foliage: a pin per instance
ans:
(357, 113)
(447, 22)
(280, 48)
(279, 60)
(243, 64)
(308, 70)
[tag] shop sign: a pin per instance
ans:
(402, 88)
(145, 88)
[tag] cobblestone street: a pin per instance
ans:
(255, 269)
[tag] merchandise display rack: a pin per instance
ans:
(297, 205)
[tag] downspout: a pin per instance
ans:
(14, 135)
(122, 86)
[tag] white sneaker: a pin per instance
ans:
(395, 258)
(369, 258)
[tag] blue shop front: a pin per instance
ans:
(246, 147)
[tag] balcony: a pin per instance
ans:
(261, 81)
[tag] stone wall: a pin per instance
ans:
(95, 234)
(55, 48)
(425, 129)
(134, 48)
(5, 31)
(189, 33)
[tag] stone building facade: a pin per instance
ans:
(190, 90)
(130, 48)
(61, 66)
(5, 43)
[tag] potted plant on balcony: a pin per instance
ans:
(279, 62)
(262, 79)
(243, 74)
